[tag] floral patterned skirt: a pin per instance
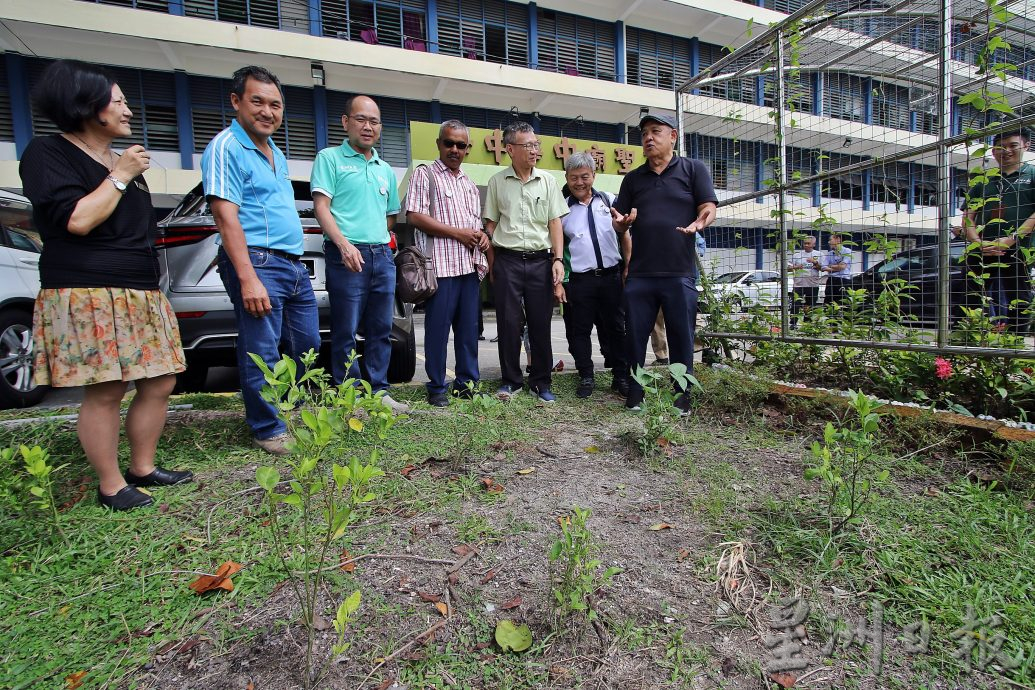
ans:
(83, 336)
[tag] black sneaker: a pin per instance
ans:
(585, 389)
(684, 403)
(620, 385)
(438, 400)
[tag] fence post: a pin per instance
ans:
(944, 168)
(781, 179)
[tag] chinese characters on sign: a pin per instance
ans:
(979, 646)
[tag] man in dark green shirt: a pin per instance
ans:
(1000, 215)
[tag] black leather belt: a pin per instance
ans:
(598, 271)
(525, 255)
(277, 252)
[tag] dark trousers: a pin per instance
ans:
(524, 276)
(596, 299)
(803, 298)
(1006, 283)
(643, 298)
(454, 305)
(835, 289)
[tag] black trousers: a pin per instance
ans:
(835, 289)
(643, 298)
(803, 298)
(1006, 283)
(524, 277)
(596, 299)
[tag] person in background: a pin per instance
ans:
(807, 278)
(100, 320)
(453, 218)
(594, 261)
(663, 203)
(355, 199)
(245, 177)
(836, 265)
(523, 211)
(1000, 216)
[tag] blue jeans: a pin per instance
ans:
(455, 306)
(643, 297)
(362, 302)
(293, 323)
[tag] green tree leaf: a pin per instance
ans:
(513, 638)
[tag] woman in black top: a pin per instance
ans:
(100, 320)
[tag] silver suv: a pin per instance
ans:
(187, 240)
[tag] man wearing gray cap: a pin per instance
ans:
(663, 204)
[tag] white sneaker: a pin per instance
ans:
(396, 406)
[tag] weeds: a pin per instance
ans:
(34, 477)
(578, 579)
(658, 404)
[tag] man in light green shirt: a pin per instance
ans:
(355, 199)
(523, 211)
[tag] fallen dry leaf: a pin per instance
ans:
(660, 526)
(320, 623)
(347, 566)
(220, 580)
(564, 521)
(428, 596)
(74, 680)
(462, 549)
(250, 686)
(488, 576)
(931, 491)
(164, 508)
(784, 680)
(407, 470)
(453, 578)
(527, 470)
(591, 449)
(442, 608)
(511, 603)
(683, 554)
(491, 485)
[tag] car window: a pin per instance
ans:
(26, 243)
(906, 263)
(729, 277)
(767, 277)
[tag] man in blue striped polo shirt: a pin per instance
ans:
(245, 177)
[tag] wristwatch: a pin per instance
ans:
(558, 258)
(119, 184)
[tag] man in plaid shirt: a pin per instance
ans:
(453, 219)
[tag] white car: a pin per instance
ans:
(19, 282)
(744, 289)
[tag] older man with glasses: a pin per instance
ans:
(594, 257)
(443, 204)
(523, 211)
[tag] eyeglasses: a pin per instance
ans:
(450, 144)
(363, 120)
(530, 146)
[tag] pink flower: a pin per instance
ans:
(942, 368)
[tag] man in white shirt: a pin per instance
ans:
(807, 278)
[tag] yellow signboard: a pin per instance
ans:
(487, 149)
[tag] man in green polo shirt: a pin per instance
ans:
(523, 210)
(355, 199)
(1000, 216)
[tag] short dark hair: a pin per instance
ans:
(515, 128)
(1022, 133)
(71, 92)
(257, 73)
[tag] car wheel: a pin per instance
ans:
(193, 379)
(17, 387)
(403, 364)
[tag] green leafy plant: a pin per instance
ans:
(658, 403)
(33, 476)
(844, 462)
(328, 417)
(578, 579)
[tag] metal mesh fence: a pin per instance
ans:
(872, 183)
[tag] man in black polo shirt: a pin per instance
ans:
(663, 204)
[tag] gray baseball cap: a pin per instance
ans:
(661, 119)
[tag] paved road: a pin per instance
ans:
(224, 379)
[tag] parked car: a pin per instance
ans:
(918, 270)
(744, 289)
(19, 282)
(187, 241)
